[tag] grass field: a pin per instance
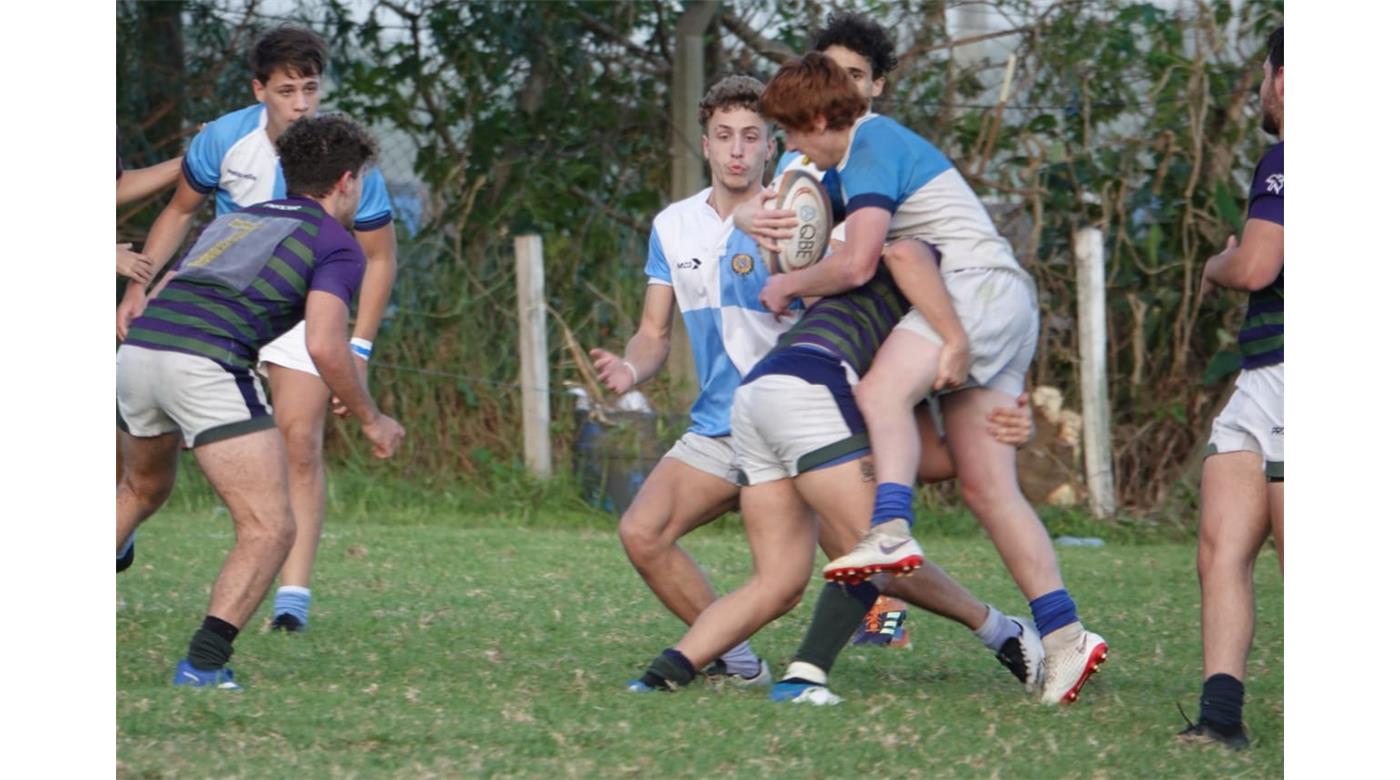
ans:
(450, 644)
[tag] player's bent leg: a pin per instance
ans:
(300, 401)
(782, 536)
(148, 477)
(675, 499)
(987, 474)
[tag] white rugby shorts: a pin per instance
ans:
(160, 392)
(1252, 421)
(710, 454)
(784, 425)
(289, 351)
(998, 309)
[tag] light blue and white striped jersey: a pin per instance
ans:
(890, 167)
(233, 157)
(717, 274)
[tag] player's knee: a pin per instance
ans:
(872, 398)
(150, 490)
(642, 541)
(304, 447)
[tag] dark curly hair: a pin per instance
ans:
(860, 35)
(316, 151)
(1276, 49)
(736, 91)
(296, 50)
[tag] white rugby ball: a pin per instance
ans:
(801, 192)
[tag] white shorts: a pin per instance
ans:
(998, 309)
(289, 351)
(1253, 419)
(785, 425)
(711, 454)
(160, 392)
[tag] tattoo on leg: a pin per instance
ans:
(867, 469)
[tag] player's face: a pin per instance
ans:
(823, 147)
(1271, 100)
(288, 98)
(737, 145)
(858, 67)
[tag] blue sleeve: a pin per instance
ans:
(658, 269)
(374, 211)
(786, 160)
(205, 156)
(1266, 191)
(871, 176)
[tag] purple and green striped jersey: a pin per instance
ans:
(246, 280)
(1261, 335)
(854, 324)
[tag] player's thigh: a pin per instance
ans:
(1234, 507)
(982, 461)
(675, 499)
(249, 472)
(149, 462)
(842, 496)
(903, 370)
(781, 530)
(299, 401)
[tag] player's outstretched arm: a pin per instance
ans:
(1250, 265)
(647, 350)
(381, 249)
(166, 235)
(916, 272)
(141, 182)
(327, 319)
(845, 269)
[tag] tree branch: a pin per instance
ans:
(769, 49)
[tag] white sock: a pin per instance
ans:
(996, 629)
(741, 660)
(805, 671)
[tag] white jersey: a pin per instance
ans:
(717, 273)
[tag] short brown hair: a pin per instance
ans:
(316, 151)
(296, 50)
(730, 92)
(810, 87)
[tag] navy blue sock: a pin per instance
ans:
(893, 501)
(1053, 611)
(1222, 703)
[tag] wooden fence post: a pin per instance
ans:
(1093, 370)
(534, 353)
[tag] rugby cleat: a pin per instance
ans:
(883, 625)
(128, 554)
(187, 675)
(719, 671)
(887, 548)
(1204, 733)
(803, 692)
(1067, 671)
(287, 622)
(1024, 655)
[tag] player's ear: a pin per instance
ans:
(345, 182)
(705, 144)
(259, 91)
(877, 87)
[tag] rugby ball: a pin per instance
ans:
(801, 192)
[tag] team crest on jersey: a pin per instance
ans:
(742, 264)
(1274, 184)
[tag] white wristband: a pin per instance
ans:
(361, 347)
(633, 369)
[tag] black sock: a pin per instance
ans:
(669, 670)
(1222, 704)
(212, 644)
(840, 608)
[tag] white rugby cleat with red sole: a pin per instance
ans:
(1066, 671)
(888, 548)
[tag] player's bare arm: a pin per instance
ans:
(133, 264)
(327, 319)
(647, 350)
(139, 183)
(166, 235)
(1252, 264)
(381, 267)
(915, 271)
(852, 265)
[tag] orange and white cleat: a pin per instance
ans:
(884, 624)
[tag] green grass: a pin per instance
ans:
(457, 643)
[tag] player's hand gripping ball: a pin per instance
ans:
(801, 192)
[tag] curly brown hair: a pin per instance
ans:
(730, 92)
(813, 86)
(316, 151)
